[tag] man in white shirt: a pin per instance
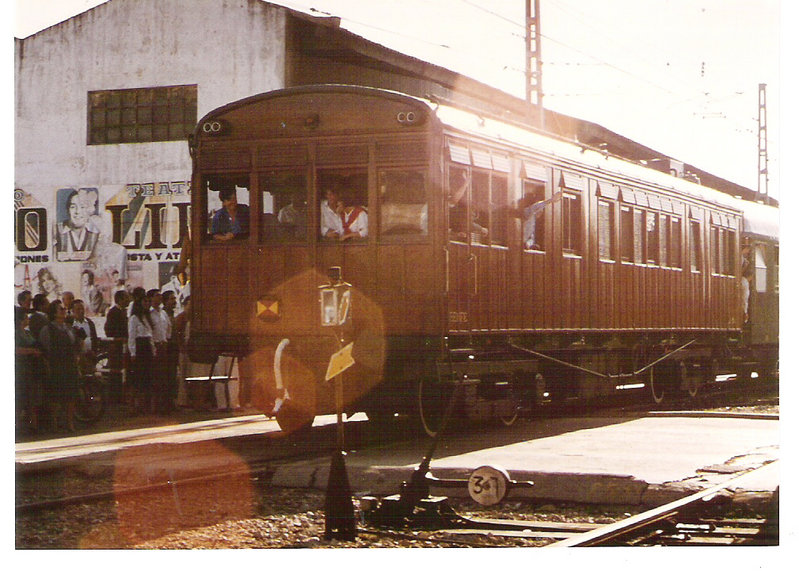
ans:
(331, 224)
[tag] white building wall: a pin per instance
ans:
(229, 48)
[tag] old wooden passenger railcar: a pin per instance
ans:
(524, 267)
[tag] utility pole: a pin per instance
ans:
(762, 147)
(533, 59)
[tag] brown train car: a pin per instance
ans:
(523, 268)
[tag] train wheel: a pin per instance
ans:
(292, 419)
(515, 392)
(433, 397)
(657, 386)
(664, 381)
(690, 380)
(510, 418)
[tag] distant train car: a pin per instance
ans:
(521, 268)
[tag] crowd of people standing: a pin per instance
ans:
(57, 344)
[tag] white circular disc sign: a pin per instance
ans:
(488, 485)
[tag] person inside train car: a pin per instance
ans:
(162, 331)
(58, 342)
(86, 335)
(233, 219)
(74, 239)
(746, 279)
(531, 208)
(142, 352)
(292, 217)
(459, 183)
(330, 220)
(354, 218)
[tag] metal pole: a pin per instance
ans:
(339, 510)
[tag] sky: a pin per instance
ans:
(680, 76)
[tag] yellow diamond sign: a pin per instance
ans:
(339, 362)
(267, 308)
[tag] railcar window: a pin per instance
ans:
(695, 245)
(627, 233)
(729, 252)
(639, 235)
(499, 210)
(533, 206)
(572, 223)
(761, 270)
(651, 238)
(228, 211)
(343, 205)
(284, 206)
(403, 203)
(663, 228)
(675, 243)
(458, 204)
(606, 229)
(480, 207)
(714, 250)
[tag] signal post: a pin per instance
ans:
(334, 302)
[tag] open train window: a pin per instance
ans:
(729, 253)
(639, 235)
(480, 207)
(343, 205)
(532, 206)
(227, 203)
(761, 270)
(715, 244)
(284, 206)
(402, 203)
(627, 233)
(499, 210)
(652, 236)
(458, 204)
(572, 223)
(663, 231)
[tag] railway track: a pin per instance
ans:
(693, 520)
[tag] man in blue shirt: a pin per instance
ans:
(233, 219)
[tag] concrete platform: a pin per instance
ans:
(646, 460)
(624, 460)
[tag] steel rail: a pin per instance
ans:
(611, 531)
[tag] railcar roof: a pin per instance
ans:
(758, 218)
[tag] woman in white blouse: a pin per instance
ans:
(142, 352)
